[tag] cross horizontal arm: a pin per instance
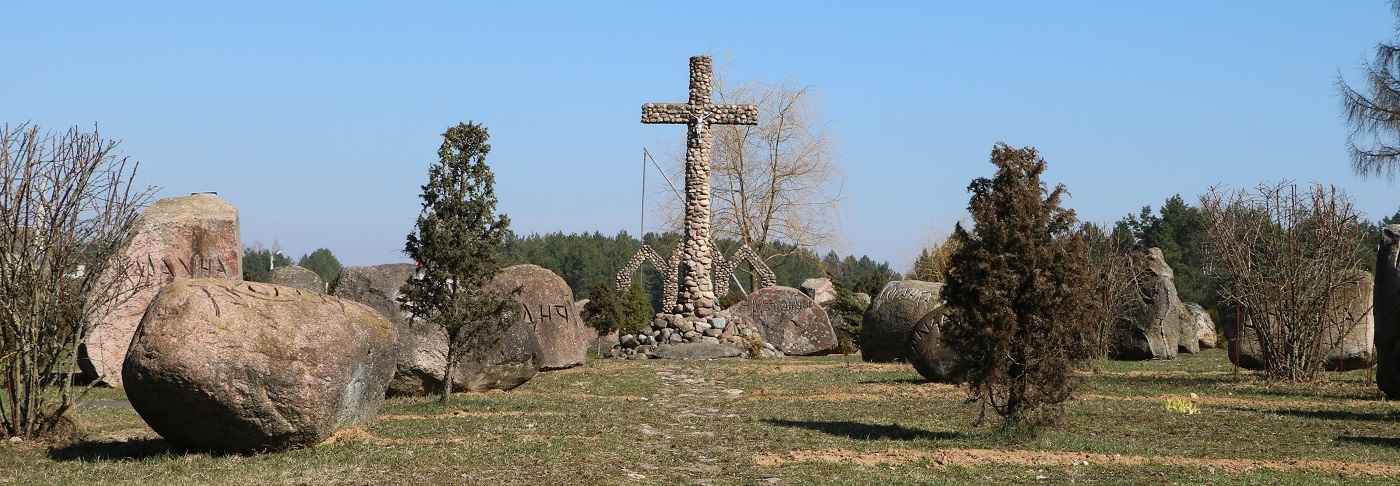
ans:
(684, 113)
(732, 114)
(681, 113)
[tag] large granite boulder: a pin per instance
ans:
(789, 320)
(1152, 328)
(1205, 327)
(820, 290)
(548, 306)
(1349, 345)
(900, 305)
(1387, 312)
(930, 357)
(422, 354)
(297, 277)
(193, 236)
(1353, 345)
(240, 366)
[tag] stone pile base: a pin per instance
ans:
(677, 329)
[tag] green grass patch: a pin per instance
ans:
(794, 420)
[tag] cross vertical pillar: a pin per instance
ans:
(695, 294)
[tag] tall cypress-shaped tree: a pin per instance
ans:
(455, 242)
(1017, 287)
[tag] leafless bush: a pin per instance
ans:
(1118, 272)
(66, 204)
(1285, 257)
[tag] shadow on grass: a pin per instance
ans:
(1157, 382)
(113, 450)
(1391, 442)
(860, 431)
(1382, 416)
(895, 381)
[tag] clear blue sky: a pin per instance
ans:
(319, 119)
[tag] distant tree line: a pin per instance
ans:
(586, 260)
(258, 260)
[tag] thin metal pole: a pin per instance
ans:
(641, 225)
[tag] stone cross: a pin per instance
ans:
(696, 292)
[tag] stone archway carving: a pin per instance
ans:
(665, 267)
(724, 270)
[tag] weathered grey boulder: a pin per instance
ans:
(240, 366)
(1153, 326)
(297, 277)
(193, 236)
(695, 351)
(934, 361)
(422, 354)
(863, 298)
(1387, 312)
(900, 305)
(789, 320)
(820, 290)
(548, 306)
(1243, 349)
(1348, 344)
(1205, 327)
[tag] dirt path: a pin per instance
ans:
(978, 457)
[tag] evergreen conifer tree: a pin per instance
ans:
(1017, 288)
(455, 242)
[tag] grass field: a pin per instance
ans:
(790, 421)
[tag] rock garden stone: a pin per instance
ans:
(1350, 347)
(194, 236)
(297, 277)
(933, 360)
(1387, 312)
(239, 366)
(886, 325)
(1152, 328)
(788, 319)
(696, 351)
(548, 306)
(820, 290)
(1205, 327)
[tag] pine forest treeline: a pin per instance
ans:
(585, 260)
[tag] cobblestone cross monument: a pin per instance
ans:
(696, 290)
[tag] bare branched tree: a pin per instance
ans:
(778, 180)
(1118, 272)
(1286, 257)
(67, 202)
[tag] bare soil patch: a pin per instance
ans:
(978, 457)
(465, 414)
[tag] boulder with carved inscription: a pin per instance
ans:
(900, 305)
(547, 307)
(789, 320)
(933, 360)
(192, 236)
